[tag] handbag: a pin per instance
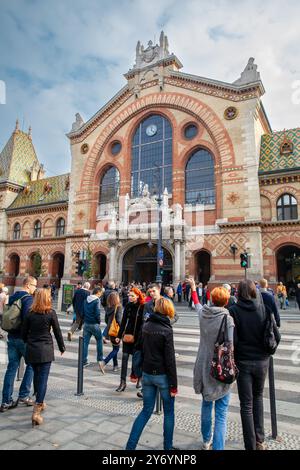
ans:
(128, 338)
(272, 336)
(114, 327)
(223, 367)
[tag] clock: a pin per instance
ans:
(151, 130)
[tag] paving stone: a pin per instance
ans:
(73, 446)
(32, 436)
(118, 438)
(53, 425)
(154, 441)
(81, 427)
(13, 445)
(109, 427)
(42, 445)
(62, 437)
(8, 435)
(93, 438)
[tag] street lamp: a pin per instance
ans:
(159, 255)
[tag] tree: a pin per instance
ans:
(37, 264)
(88, 270)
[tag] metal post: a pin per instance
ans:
(158, 407)
(272, 398)
(159, 241)
(20, 372)
(80, 368)
(245, 273)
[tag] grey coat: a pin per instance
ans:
(210, 319)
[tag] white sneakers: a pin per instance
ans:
(206, 445)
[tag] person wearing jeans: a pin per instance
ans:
(221, 411)
(36, 333)
(249, 314)
(91, 318)
(214, 393)
(159, 372)
(153, 384)
(113, 312)
(16, 349)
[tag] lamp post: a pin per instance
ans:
(159, 255)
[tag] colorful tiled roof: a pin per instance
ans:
(43, 192)
(17, 157)
(270, 157)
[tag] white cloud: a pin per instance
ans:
(61, 57)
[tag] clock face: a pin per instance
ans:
(151, 130)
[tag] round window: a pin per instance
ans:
(116, 147)
(190, 131)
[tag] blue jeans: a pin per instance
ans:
(88, 331)
(152, 384)
(40, 380)
(16, 350)
(113, 355)
(221, 410)
(105, 332)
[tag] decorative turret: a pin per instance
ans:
(249, 74)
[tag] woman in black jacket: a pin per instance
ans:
(113, 310)
(131, 325)
(252, 360)
(159, 372)
(39, 346)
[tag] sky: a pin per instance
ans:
(60, 57)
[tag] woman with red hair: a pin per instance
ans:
(130, 331)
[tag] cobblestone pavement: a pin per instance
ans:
(102, 418)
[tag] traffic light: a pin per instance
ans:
(244, 260)
(79, 267)
(161, 272)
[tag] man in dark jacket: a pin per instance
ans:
(16, 350)
(78, 302)
(154, 292)
(91, 318)
(269, 300)
(298, 295)
(232, 299)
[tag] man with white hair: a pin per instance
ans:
(232, 299)
(78, 303)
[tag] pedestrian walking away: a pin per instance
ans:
(92, 320)
(36, 333)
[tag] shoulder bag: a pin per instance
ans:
(223, 367)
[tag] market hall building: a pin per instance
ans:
(201, 149)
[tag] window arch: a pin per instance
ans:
(109, 191)
(287, 207)
(17, 231)
(200, 178)
(37, 230)
(60, 227)
(151, 162)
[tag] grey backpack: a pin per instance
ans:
(11, 318)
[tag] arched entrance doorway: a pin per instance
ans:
(139, 264)
(100, 266)
(58, 264)
(202, 268)
(288, 265)
(14, 265)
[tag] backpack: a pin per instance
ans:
(223, 367)
(11, 318)
(272, 336)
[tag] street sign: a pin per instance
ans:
(161, 254)
(161, 262)
(68, 292)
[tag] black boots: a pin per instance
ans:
(121, 387)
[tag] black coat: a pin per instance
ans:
(109, 315)
(298, 295)
(78, 301)
(250, 322)
(36, 333)
(131, 324)
(158, 348)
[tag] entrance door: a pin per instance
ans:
(203, 261)
(139, 264)
(288, 266)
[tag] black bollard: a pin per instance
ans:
(272, 398)
(20, 372)
(158, 407)
(80, 368)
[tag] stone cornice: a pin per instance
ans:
(30, 241)
(15, 187)
(269, 179)
(259, 223)
(165, 62)
(63, 205)
(101, 115)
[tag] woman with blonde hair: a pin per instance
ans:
(39, 345)
(159, 372)
(113, 311)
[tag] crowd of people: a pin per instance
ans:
(140, 318)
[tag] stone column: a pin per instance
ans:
(112, 261)
(177, 261)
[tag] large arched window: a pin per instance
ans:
(17, 231)
(60, 227)
(152, 156)
(287, 207)
(109, 191)
(37, 230)
(200, 178)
